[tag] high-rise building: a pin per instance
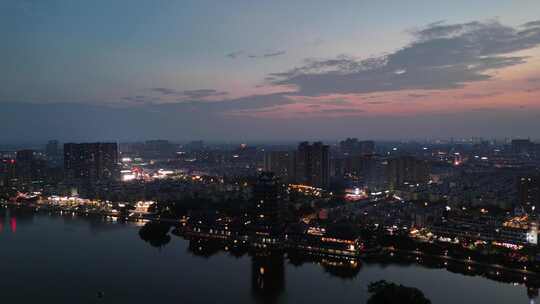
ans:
(349, 145)
(24, 161)
(51, 149)
(281, 163)
(91, 162)
(268, 200)
(7, 171)
(356, 165)
(366, 147)
(528, 190)
(53, 155)
(352, 146)
(520, 146)
(312, 165)
(29, 166)
(158, 148)
(195, 145)
(406, 170)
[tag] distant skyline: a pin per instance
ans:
(268, 70)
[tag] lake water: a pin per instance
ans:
(64, 259)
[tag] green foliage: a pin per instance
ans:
(389, 293)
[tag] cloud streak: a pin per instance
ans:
(164, 91)
(269, 54)
(480, 95)
(274, 54)
(342, 111)
(234, 55)
(442, 56)
(186, 94)
(202, 93)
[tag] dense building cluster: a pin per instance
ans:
(289, 194)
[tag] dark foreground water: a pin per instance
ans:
(59, 259)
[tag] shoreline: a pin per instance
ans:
(382, 256)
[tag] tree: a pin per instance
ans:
(155, 233)
(383, 292)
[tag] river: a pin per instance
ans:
(70, 259)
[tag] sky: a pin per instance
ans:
(268, 70)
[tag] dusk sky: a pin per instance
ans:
(268, 70)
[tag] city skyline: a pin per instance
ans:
(283, 151)
(192, 70)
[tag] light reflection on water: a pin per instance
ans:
(70, 259)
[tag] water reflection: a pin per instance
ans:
(500, 274)
(10, 218)
(206, 248)
(13, 224)
(532, 293)
(268, 266)
(337, 267)
(267, 276)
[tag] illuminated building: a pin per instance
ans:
(266, 222)
(91, 162)
(143, 207)
(309, 165)
(267, 196)
(281, 163)
(29, 166)
(321, 241)
(528, 190)
(7, 171)
(24, 161)
(312, 165)
(513, 233)
(406, 170)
